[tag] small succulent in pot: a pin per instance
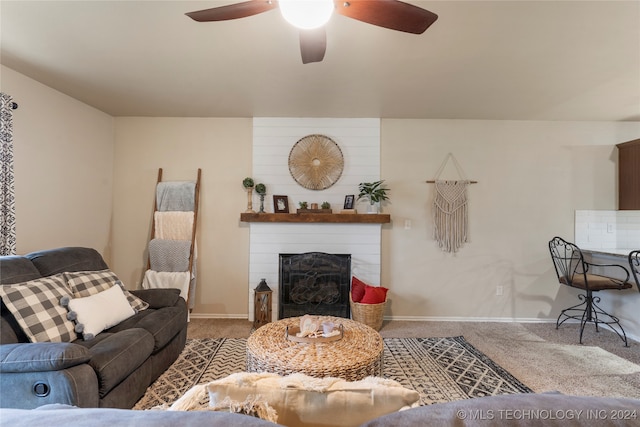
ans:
(248, 182)
(325, 205)
(303, 205)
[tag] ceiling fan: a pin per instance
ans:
(392, 14)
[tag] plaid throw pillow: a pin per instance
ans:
(36, 307)
(87, 283)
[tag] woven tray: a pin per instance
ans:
(357, 355)
(291, 334)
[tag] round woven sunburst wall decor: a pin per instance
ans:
(316, 162)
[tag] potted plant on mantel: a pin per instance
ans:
(375, 192)
(248, 184)
(325, 208)
(261, 189)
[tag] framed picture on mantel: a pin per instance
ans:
(280, 204)
(348, 201)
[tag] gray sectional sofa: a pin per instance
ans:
(111, 369)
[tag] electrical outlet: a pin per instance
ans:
(407, 224)
(499, 290)
(610, 227)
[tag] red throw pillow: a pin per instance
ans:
(374, 295)
(357, 289)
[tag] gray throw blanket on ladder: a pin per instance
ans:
(175, 196)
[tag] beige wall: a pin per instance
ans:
(222, 149)
(532, 177)
(63, 152)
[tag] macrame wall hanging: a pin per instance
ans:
(450, 209)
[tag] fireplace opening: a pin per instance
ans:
(314, 283)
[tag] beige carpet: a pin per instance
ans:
(541, 357)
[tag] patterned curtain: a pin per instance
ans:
(7, 195)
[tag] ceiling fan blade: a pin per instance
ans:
(392, 14)
(313, 44)
(233, 11)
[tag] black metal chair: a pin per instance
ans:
(573, 271)
(634, 264)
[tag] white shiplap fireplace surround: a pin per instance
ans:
(273, 138)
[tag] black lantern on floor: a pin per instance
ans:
(262, 304)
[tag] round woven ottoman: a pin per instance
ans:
(357, 355)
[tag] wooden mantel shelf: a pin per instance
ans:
(317, 218)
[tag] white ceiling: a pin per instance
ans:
(536, 60)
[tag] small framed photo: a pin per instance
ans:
(348, 201)
(280, 204)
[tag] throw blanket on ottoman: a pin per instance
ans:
(302, 400)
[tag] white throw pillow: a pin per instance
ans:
(95, 313)
(302, 400)
(86, 283)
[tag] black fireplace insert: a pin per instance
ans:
(314, 283)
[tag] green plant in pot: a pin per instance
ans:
(261, 189)
(325, 205)
(374, 192)
(303, 205)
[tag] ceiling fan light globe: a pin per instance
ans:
(306, 14)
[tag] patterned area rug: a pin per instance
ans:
(440, 369)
